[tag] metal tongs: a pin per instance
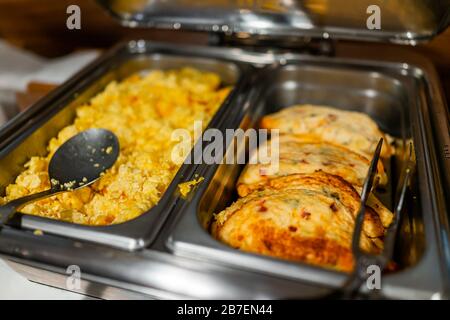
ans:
(364, 260)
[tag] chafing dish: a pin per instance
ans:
(387, 92)
(168, 252)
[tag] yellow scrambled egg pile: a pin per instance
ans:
(143, 111)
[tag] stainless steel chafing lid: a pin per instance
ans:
(401, 21)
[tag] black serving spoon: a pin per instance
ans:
(79, 162)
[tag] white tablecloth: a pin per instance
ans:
(17, 69)
(15, 286)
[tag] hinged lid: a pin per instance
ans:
(404, 21)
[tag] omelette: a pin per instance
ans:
(305, 218)
(353, 130)
(301, 154)
(303, 208)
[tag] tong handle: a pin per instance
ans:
(8, 210)
(362, 259)
(365, 193)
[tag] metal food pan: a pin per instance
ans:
(393, 95)
(28, 134)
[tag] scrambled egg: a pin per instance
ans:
(186, 187)
(142, 111)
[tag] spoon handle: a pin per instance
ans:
(8, 210)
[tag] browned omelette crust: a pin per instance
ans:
(345, 192)
(301, 154)
(354, 130)
(302, 217)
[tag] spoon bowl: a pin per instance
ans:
(81, 160)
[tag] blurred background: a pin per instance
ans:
(50, 53)
(37, 51)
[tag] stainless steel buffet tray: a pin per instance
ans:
(29, 134)
(184, 260)
(390, 94)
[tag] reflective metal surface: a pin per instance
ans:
(406, 21)
(184, 261)
(388, 93)
(29, 133)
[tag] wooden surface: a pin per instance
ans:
(40, 26)
(34, 92)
